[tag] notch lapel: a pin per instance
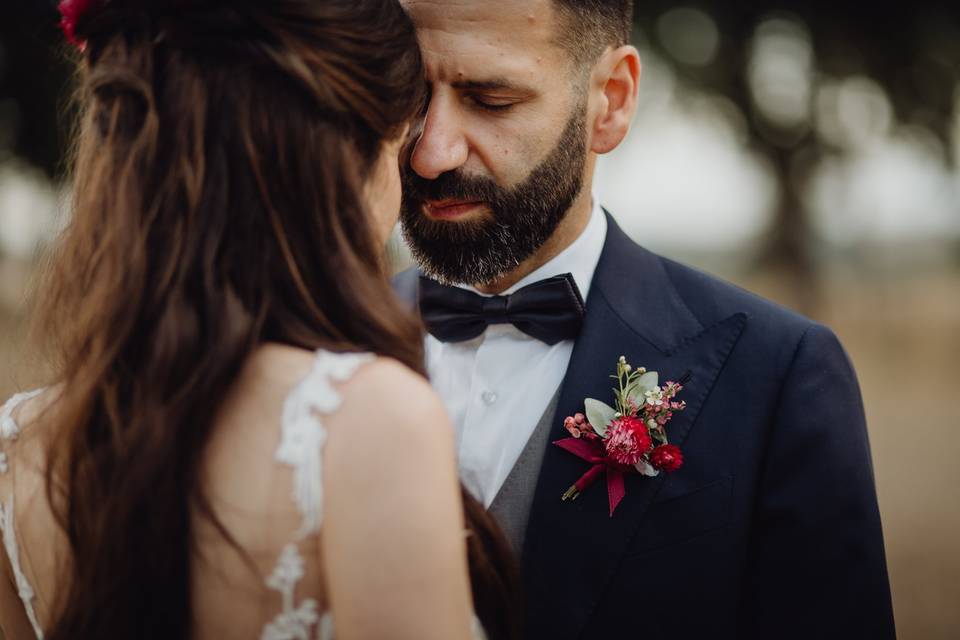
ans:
(572, 549)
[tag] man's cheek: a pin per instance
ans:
(510, 153)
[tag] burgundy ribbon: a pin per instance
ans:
(594, 453)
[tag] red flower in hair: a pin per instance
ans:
(71, 13)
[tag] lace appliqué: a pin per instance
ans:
(9, 430)
(24, 590)
(8, 426)
(302, 436)
(294, 622)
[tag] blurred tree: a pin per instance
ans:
(911, 49)
(767, 56)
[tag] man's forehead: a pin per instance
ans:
(479, 14)
(487, 37)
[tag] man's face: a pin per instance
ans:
(501, 155)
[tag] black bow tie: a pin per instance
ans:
(550, 310)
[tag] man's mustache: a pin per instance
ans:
(452, 185)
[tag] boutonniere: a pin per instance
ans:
(629, 437)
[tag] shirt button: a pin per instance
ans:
(489, 398)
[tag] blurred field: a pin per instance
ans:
(903, 335)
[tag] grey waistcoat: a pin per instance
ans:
(511, 506)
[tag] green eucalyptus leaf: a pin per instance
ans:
(648, 381)
(599, 414)
(646, 469)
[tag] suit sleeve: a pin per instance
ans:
(817, 567)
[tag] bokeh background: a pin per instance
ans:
(808, 152)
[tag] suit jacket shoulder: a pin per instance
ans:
(406, 284)
(776, 488)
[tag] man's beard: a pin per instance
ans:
(520, 220)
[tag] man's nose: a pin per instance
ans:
(442, 145)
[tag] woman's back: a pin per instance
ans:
(235, 179)
(251, 493)
(266, 471)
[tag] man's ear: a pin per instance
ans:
(616, 77)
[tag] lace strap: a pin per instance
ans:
(24, 590)
(302, 437)
(8, 426)
(303, 433)
(9, 429)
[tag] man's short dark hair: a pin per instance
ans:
(588, 27)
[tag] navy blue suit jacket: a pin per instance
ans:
(771, 528)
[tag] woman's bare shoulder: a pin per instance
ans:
(379, 409)
(371, 389)
(388, 401)
(391, 441)
(393, 520)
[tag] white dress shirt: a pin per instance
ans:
(497, 386)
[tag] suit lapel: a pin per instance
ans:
(572, 549)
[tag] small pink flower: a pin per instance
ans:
(628, 439)
(570, 424)
(579, 418)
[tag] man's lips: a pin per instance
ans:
(449, 209)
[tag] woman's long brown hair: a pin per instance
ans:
(223, 149)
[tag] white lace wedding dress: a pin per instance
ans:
(301, 445)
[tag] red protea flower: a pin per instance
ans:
(71, 13)
(628, 439)
(666, 457)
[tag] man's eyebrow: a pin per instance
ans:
(492, 84)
